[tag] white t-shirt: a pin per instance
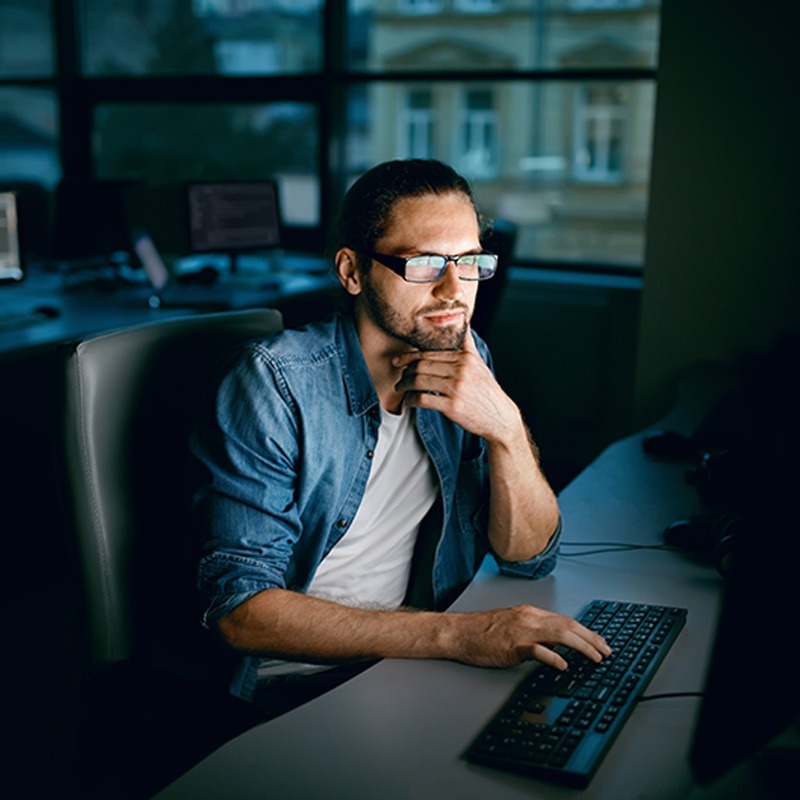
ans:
(370, 565)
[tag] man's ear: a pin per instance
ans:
(347, 270)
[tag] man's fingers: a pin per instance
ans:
(548, 656)
(418, 356)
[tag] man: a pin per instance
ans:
(373, 458)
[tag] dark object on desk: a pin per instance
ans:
(709, 536)
(746, 704)
(207, 275)
(669, 446)
(157, 698)
(201, 289)
(720, 429)
(15, 319)
(48, 312)
(560, 725)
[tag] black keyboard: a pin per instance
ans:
(559, 725)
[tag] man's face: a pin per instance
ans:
(426, 316)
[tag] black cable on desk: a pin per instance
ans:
(611, 547)
(668, 696)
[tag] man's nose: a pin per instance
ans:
(449, 285)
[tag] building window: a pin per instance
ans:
(416, 124)
(599, 133)
(478, 146)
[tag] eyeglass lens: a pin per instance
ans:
(431, 267)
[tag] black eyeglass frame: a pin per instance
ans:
(398, 264)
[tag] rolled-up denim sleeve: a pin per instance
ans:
(539, 566)
(245, 516)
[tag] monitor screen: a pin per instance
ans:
(10, 258)
(745, 704)
(740, 715)
(91, 218)
(233, 216)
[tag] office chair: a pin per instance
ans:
(500, 238)
(156, 684)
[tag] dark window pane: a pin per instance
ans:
(397, 35)
(26, 39)
(29, 135)
(161, 144)
(568, 162)
(201, 37)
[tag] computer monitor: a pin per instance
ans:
(10, 255)
(91, 219)
(233, 216)
(751, 694)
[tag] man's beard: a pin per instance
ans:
(409, 331)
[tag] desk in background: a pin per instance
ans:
(399, 730)
(80, 303)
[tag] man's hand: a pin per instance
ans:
(459, 385)
(523, 511)
(506, 637)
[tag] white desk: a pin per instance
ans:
(399, 730)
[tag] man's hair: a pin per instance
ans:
(368, 203)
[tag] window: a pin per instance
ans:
(416, 120)
(26, 39)
(28, 104)
(599, 133)
(552, 121)
(199, 37)
(545, 105)
(159, 144)
(478, 151)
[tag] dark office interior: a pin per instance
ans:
(629, 258)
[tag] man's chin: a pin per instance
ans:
(452, 339)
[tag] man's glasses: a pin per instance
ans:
(431, 268)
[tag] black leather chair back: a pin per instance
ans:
(130, 398)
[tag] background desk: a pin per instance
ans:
(399, 730)
(288, 281)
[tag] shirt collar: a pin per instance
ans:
(361, 393)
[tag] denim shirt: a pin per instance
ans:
(287, 442)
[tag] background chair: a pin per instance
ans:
(500, 238)
(156, 684)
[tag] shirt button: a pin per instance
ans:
(342, 523)
(370, 453)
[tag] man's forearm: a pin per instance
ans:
(280, 623)
(523, 510)
(286, 624)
